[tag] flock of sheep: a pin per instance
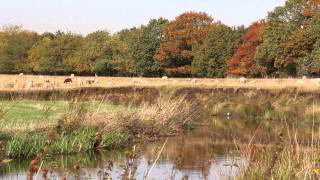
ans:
(21, 82)
(24, 82)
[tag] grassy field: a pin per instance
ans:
(56, 82)
(27, 115)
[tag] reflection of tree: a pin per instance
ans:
(189, 154)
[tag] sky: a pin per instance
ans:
(85, 16)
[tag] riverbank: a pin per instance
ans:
(31, 128)
(97, 118)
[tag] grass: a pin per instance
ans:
(281, 160)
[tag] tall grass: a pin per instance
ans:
(167, 116)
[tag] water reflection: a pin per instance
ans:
(192, 156)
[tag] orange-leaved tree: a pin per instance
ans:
(242, 62)
(312, 8)
(187, 30)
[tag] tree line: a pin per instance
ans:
(286, 43)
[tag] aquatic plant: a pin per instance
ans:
(24, 146)
(114, 139)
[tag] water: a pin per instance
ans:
(191, 156)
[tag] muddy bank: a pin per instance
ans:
(150, 94)
(115, 95)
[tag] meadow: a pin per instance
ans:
(57, 82)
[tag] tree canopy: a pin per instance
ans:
(286, 43)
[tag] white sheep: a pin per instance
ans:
(165, 78)
(71, 75)
(21, 74)
(80, 82)
(16, 85)
(300, 82)
(243, 80)
(29, 84)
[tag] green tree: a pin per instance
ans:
(55, 55)
(15, 44)
(210, 57)
(145, 47)
(94, 48)
(122, 59)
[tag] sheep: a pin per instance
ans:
(67, 80)
(165, 78)
(80, 82)
(215, 81)
(21, 74)
(300, 82)
(317, 80)
(243, 80)
(46, 85)
(90, 81)
(9, 85)
(194, 81)
(71, 75)
(29, 84)
(136, 81)
(16, 85)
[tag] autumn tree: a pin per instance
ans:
(181, 35)
(242, 62)
(283, 23)
(304, 47)
(210, 58)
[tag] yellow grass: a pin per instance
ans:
(56, 82)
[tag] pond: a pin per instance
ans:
(194, 155)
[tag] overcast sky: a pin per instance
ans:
(83, 16)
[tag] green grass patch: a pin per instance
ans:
(26, 115)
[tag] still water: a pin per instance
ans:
(190, 156)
